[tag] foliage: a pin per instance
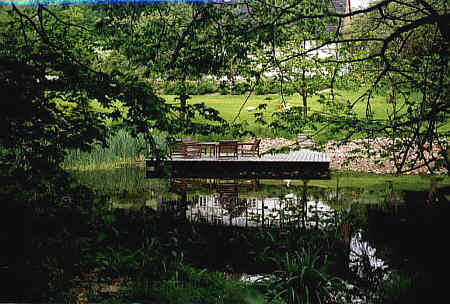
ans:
(303, 277)
(251, 39)
(193, 88)
(409, 56)
(55, 61)
(121, 148)
(44, 52)
(201, 87)
(191, 285)
(169, 41)
(397, 288)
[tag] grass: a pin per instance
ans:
(234, 108)
(349, 179)
(185, 284)
(122, 149)
(229, 105)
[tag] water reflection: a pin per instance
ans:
(363, 257)
(240, 203)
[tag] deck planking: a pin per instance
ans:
(302, 164)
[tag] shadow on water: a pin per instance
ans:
(234, 225)
(409, 238)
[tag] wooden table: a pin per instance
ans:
(209, 146)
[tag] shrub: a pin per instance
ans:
(193, 87)
(171, 88)
(240, 88)
(272, 86)
(398, 288)
(205, 87)
(303, 277)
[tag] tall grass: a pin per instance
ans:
(122, 148)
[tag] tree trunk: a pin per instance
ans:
(183, 99)
(305, 104)
(304, 95)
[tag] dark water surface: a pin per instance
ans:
(384, 230)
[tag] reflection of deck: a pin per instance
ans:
(269, 212)
(303, 164)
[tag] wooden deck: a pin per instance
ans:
(303, 164)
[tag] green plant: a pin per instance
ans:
(205, 87)
(302, 277)
(188, 284)
(398, 288)
(121, 148)
(240, 88)
(199, 87)
(273, 86)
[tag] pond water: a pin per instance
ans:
(381, 231)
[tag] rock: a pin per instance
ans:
(353, 155)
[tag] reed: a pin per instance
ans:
(122, 149)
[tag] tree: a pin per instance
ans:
(385, 49)
(404, 46)
(176, 42)
(48, 84)
(182, 41)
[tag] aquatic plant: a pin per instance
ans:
(303, 277)
(121, 148)
(397, 288)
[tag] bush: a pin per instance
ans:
(206, 87)
(303, 276)
(224, 91)
(193, 87)
(240, 88)
(272, 86)
(269, 86)
(189, 285)
(171, 88)
(398, 288)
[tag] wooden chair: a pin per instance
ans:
(192, 149)
(228, 196)
(177, 149)
(185, 149)
(227, 149)
(250, 148)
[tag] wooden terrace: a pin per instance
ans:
(302, 164)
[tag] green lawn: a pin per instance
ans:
(235, 108)
(229, 105)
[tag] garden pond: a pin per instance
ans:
(379, 231)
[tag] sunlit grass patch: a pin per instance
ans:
(349, 179)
